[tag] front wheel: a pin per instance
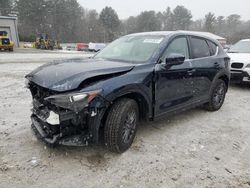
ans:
(121, 125)
(217, 96)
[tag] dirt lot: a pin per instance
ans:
(193, 149)
(29, 55)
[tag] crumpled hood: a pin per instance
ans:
(68, 75)
(239, 57)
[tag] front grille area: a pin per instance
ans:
(5, 41)
(69, 121)
(40, 93)
(40, 110)
(237, 65)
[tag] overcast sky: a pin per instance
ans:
(199, 8)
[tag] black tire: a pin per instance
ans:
(121, 125)
(217, 96)
(11, 49)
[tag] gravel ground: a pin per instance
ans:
(30, 55)
(192, 149)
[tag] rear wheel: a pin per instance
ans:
(217, 96)
(121, 125)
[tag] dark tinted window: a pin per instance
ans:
(212, 46)
(199, 47)
(178, 46)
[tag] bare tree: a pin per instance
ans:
(147, 21)
(110, 21)
(68, 21)
(210, 22)
(181, 18)
(5, 7)
(168, 19)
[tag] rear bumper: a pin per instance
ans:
(240, 76)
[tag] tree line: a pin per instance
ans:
(68, 21)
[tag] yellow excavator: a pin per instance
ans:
(45, 43)
(5, 42)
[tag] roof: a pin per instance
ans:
(207, 34)
(162, 33)
(8, 18)
(197, 33)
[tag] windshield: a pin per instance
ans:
(240, 47)
(136, 49)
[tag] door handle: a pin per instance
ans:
(216, 65)
(191, 71)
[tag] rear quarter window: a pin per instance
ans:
(199, 47)
(213, 47)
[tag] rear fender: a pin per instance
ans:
(221, 75)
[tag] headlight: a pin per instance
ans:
(248, 66)
(73, 101)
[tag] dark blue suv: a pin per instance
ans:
(138, 77)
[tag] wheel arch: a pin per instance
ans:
(223, 75)
(97, 123)
(225, 78)
(142, 102)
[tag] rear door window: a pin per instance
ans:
(199, 47)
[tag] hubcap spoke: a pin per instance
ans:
(129, 126)
(219, 94)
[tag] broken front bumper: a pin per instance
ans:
(61, 127)
(38, 127)
(56, 125)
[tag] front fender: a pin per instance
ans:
(101, 104)
(138, 81)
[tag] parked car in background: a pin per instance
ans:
(138, 77)
(28, 45)
(95, 47)
(240, 61)
(82, 47)
(71, 47)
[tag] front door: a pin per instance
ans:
(173, 86)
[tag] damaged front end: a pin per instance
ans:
(71, 119)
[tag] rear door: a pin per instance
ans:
(205, 62)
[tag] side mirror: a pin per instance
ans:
(175, 59)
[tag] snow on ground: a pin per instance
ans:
(193, 149)
(32, 55)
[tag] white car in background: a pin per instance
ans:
(240, 61)
(95, 47)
